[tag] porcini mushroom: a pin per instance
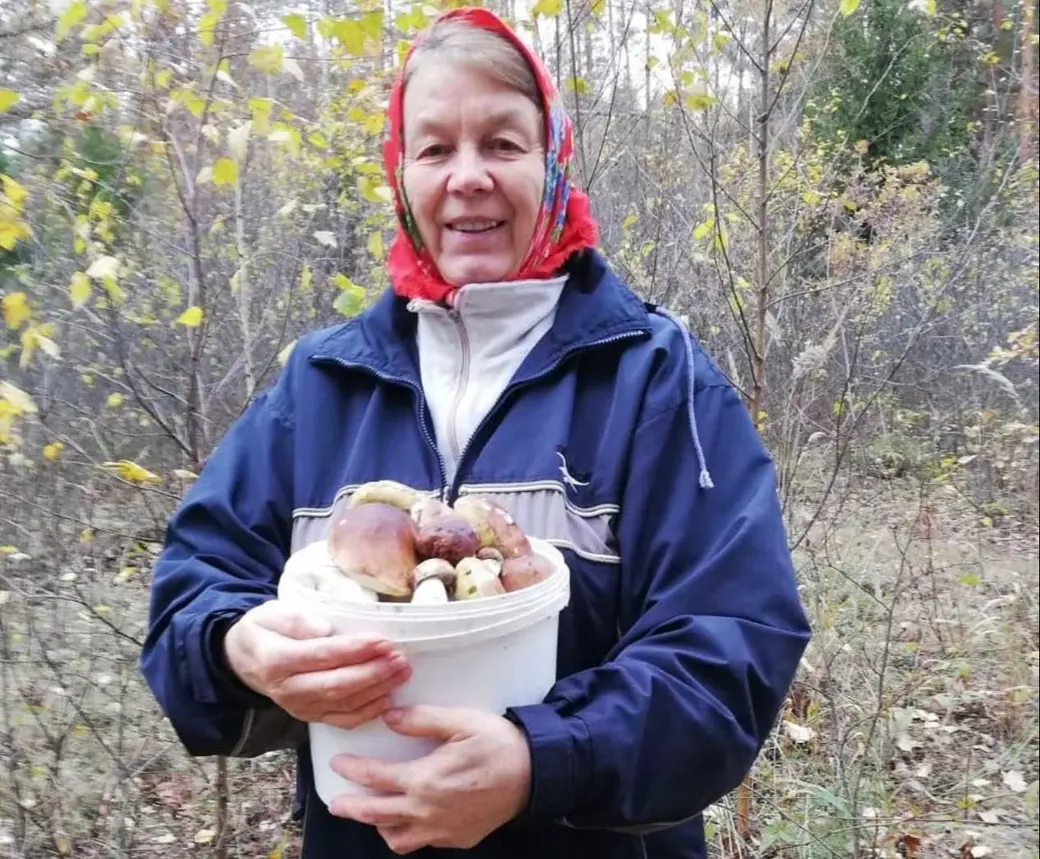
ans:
(384, 492)
(477, 578)
(426, 510)
(447, 536)
(432, 581)
(524, 571)
(374, 544)
(494, 525)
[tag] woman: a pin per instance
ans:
(509, 360)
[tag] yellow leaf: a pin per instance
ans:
(102, 267)
(225, 172)
(207, 26)
(75, 13)
(283, 356)
(192, 317)
(53, 450)
(132, 472)
(296, 24)
(549, 8)
(114, 400)
(14, 192)
(16, 309)
(847, 7)
(17, 398)
(79, 289)
(375, 245)
(266, 59)
(8, 99)
(351, 35)
(373, 191)
(578, 85)
(11, 232)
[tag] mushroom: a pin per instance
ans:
(494, 525)
(443, 533)
(524, 571)
(477, 578)
(313, 569)
(374, 544)
(385, 492)
(432, 581)
(490, 553)
(425, 510)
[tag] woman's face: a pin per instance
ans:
(474, 171)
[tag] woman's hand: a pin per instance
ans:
(314, 676)
(455, 796)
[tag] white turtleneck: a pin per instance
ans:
(469, 354)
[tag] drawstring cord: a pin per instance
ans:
(705, 477)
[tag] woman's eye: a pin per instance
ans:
(432, 151)
(508, 145)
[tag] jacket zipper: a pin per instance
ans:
(423, 410)
(460, 388)
(449, 493)
(453, 490)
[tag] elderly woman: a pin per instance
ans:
(507, 359)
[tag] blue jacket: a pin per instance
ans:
(684, 630)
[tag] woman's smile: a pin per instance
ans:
(474, 171)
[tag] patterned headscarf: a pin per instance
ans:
(564, 224)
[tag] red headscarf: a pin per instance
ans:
(564, 224)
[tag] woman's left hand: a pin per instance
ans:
(466, 788)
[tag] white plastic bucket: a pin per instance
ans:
(487, 654)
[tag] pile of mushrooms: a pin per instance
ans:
(403, 546)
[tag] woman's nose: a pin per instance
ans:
(469, 172)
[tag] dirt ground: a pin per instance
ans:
(912, 731)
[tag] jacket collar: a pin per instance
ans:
(595, 308)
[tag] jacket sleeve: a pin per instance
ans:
(224, 549)
(712, 633)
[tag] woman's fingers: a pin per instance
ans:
(353, 718)
(343, 690)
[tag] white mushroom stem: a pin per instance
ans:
(430, 591)
(477, 578)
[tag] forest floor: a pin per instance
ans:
(912, 730)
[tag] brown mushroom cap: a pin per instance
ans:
(374, 543)
(426, 510)
(522, 572)
(495, 526)
(449, 537)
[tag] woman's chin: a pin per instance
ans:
(459, 272)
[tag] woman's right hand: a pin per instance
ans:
(341, 680)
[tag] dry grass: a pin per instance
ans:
(912, 730)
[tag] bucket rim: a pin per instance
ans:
(501, 603)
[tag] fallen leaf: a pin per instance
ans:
(798, 733)
(908, 845)
(205, 836)
(1014, 782)
(905, 743)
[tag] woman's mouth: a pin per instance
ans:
(474, 226)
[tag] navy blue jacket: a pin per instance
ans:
(685, 627)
